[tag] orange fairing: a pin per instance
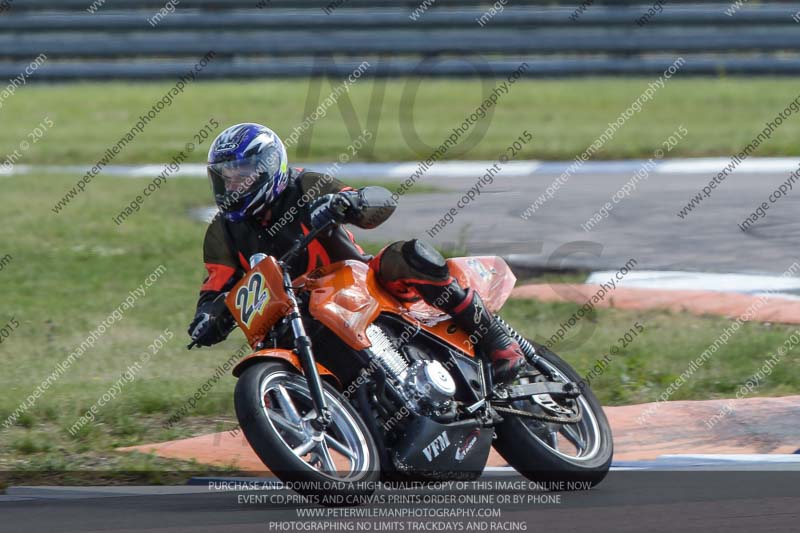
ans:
(259, 300)
(489, 275)
(285, 355)
(347, 298)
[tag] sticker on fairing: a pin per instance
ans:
(436, 447)
(252, 298)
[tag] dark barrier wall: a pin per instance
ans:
(99, 39)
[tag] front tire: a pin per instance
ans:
(531, 448)
(274, 408)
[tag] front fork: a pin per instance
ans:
(302, 345)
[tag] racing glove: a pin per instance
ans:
(213, 323)
(336, 208)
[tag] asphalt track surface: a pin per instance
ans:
(644, 226)
(626, 501)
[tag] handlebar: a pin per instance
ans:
(304, 242)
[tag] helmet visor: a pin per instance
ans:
(233, 181)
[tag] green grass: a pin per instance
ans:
(69, 271)
(565, 116)
(655, 358)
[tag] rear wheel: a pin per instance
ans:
(544, 450)
(275, 411)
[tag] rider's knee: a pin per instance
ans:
(423, 258)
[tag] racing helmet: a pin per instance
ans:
(248, 170)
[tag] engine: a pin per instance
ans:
(425, 384)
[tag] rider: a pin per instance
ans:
(266, 206)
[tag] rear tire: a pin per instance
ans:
(518, 444)
(273, 439)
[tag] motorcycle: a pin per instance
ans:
(348, 386)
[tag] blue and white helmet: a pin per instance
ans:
(248, 169)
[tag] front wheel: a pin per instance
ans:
(577, 453)
(275, 410)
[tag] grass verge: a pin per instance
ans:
(565, 117)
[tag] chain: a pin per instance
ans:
(577, 417)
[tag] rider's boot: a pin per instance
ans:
(489, 335)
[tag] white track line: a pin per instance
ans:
(753, 284)
(453, 169)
